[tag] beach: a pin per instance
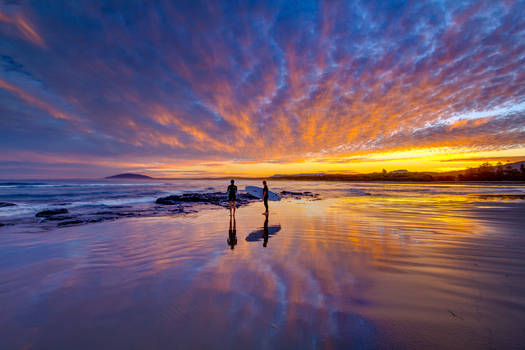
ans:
(360, 265)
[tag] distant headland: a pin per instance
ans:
(485, 172)
(129, 176)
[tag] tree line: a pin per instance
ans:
(485, 172)
(488, 172)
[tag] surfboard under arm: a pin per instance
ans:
(258, 192)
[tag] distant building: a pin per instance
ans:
(401, 171)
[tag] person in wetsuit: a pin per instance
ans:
(265, 197)
(232, 197)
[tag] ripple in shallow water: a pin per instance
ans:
(363, 272)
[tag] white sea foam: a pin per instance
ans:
(30, 209)
(66, 185)
(113, 202)
(22, 210)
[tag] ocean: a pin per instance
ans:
(89, 201)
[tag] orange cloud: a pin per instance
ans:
(24, 27)
(34, 101)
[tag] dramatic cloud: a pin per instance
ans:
(185, 82)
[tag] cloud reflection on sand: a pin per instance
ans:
(434, 271)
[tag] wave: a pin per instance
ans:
(21, 210)
(40, 185)
(15, 184)
(114, 202)
(30, 209)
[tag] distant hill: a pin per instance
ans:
(129, 176)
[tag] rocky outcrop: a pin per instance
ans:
(165, 206)
(71, 223)
(216, 198)
(298, 195)
(51, 212)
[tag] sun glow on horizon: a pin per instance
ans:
(434, 160)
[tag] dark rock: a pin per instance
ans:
(298, 194)
(216, 198)
(290, 193)
(180, 209)
(91, 221)
(51, 212)
(69, 223)
(5, 204)
(58, 217)
(126, 214)
(104, 213)
(248, 196)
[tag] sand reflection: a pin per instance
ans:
(340, 272)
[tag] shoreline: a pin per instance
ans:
(114, 201)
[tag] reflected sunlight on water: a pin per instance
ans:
(403, 271)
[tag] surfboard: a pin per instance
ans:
(258, 192)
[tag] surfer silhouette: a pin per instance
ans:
(232, 234)
(265, 197)
(265, 232)
(232, 196)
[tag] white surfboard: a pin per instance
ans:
(258, 192)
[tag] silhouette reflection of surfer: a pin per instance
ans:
(265, 231)
(232, 234)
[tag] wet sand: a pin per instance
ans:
(352, 272)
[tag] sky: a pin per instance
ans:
(255, 88)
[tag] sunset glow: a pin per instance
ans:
(256, 89)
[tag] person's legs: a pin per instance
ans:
(266, 204)
(234, 207)
(230, 202)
